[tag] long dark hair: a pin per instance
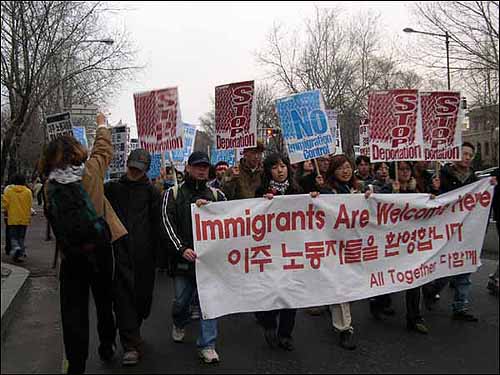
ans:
(336, 162)
(270, 161)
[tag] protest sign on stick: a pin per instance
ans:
(441, 120)
(305, 126)
(395, 126)
(335, 130)
(158, 119)
(364, 138)
(120, 140)
(235, 116)
(59, 124)
(80, 134)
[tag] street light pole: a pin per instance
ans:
(107, 41)
(446, 35)
(447, 41)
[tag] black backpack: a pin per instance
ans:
(73, 218)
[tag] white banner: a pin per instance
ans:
(296, 251)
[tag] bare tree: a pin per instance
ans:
(473, 28)
(48, 60)
(344, 58)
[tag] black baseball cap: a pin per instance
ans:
(198, 158)
(140, 159)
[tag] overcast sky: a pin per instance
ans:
(197, 46)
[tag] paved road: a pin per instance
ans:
(33, 342)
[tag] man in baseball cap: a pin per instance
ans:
(177, 227)
(199, 158)
(140, 159)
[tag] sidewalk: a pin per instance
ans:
(32, 338)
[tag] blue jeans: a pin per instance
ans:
(462, 290)
(17, 234)
(185, 287)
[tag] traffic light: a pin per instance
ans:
(269, 132)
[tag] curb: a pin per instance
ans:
(13, 287)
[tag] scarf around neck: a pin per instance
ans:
(279, 187)
(70, 174)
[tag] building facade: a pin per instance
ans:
(481, 129)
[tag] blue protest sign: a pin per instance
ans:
(155, 167)
(80, 134)
(305, 126)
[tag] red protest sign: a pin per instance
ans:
(235, 116)
(395, 130)
(158, 118)
(440, 125)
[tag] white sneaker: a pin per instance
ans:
(208, 355)
(178, 334)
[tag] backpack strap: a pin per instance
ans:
(175, 191)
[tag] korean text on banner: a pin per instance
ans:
(235, 116)
(298, 251)
(158, 119)
(305, 126)
(119, 138)
(59, 124)
(364, 137)
(335, 130)
(441, 120)
(395, 126)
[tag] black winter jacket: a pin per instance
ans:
(177, 222)
(137, 204)
(450, 180)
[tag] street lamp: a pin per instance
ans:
(105, 41)
(447, 41)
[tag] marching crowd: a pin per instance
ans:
(111, 236)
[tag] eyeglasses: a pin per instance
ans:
(221, 169)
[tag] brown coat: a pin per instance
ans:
(245, 184)
(93, 181)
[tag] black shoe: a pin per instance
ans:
(286, 343)
(493, 285)
(76, 367)
(106, 352)
(464, 316)
(271, 337)
(347, 340)
(377, 314)
(417, 326)
(430, 302)
(389, 311)
(18, 260)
